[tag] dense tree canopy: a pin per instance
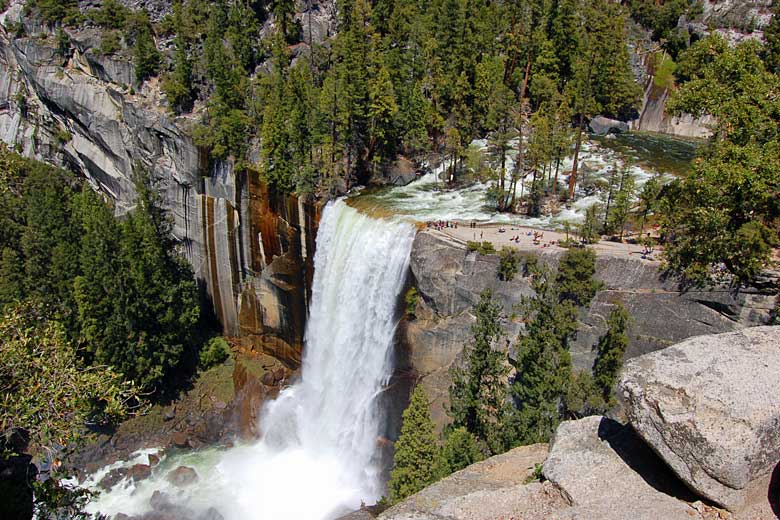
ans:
(721, 219)
(119, 289)
(398, 77)
(543, 369)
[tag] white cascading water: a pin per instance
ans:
(317, 457)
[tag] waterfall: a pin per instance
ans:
(317, 457)
(319, 436)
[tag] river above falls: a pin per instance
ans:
(428, 198)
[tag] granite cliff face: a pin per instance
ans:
(450, 279)
(251, 249)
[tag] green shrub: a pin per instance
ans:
(416, 452)
(486, 248)
(146, 57)
(510, 260)
(459, 451)
(57, 11)
(411, 298)
(62, 136)
(111, 15)
(665, 68)
(472, 246)
(216, 351)
(110, 42)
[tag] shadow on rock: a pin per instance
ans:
(643, 460)
(773, 494)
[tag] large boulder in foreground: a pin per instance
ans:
(608, 473)
(491, 489)
(710, 407)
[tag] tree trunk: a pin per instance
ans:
(525, 78)
(574, 167)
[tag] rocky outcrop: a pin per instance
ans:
(601, 125)
(251, 249)
(496, 488)
(606, 472)
(449, 280)
(595, 469)
(710, 406)
(653, 116)
(736, 20)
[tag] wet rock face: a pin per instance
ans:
(710, 406)
(140, 472)
(113, 478)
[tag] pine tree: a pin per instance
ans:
(583, 397)
(574, 279)
(283, 11)
(621, 208)
(772, 40)
(276, 151)
(416, 452)
(648, 200)
(479, 389)
(98, 290)
(158, 300)
(382, 110)
(146, 57)
(736, 176)
(178, 84)
(11, 277)
(611, 348)
(543, 369)
(49, 243)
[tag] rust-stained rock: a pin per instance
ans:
(271, 346)
(251, 393)
(140, 472)
(180, 439)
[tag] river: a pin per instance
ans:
(428, 198)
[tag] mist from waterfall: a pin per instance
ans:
(317, 458)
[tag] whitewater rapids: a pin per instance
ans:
(317, 458)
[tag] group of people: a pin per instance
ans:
(438, 225)
(537, 236)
